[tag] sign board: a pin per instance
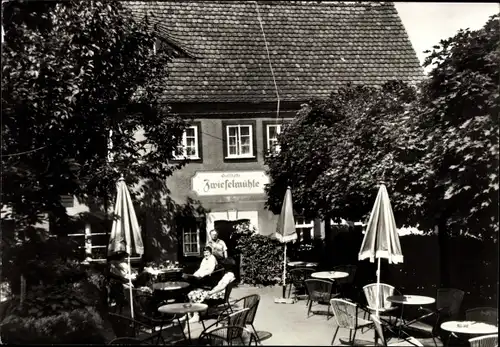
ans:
(207, 183)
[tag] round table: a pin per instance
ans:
(469, 327)
(174, 285)
(302, 264)
(329, 275)
(180, 310)
(411, 299)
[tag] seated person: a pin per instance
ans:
(219, 248)
(217, 292)
(207, 265)
(119, 267)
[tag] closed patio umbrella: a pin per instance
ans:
(125, 232)
(285, 230)
(381, 237)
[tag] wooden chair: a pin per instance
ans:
(484, 341)
(319, 291)
(384, 306)
(227, 336)
(237, 318)
(379, 335)
(487, 315)
(346, 317)
(448, 303)
(296, 279)
(215, 307)
(252, 303)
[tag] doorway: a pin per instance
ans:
(226, 230)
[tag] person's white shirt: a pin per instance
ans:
(207, 266)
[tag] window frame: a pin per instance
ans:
(198, 143)
(307, 224)
(265, 131)
(186, 230)
(253, 143)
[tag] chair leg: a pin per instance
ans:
(350, 336)
(309, 309)
(434, 339)
(257, 338)
(335, 335)
(354, 337)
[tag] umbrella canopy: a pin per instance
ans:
(125, 232)
(381, 237)
(285, 230)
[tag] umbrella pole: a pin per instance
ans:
(378, 288)
(130, 288)
(284, 272)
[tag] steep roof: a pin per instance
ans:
(314, 47)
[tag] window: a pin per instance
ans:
(239, 140)
(304, 229)
(272, 131)
(191, 241)
(190, 147)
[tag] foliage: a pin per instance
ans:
(336, 151)
(88, 64)
(435, 148)
(77, 326)
(262, 257)
(457, 125)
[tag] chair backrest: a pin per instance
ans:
(385, 291)
(350, 269)
(238, 318)
(483, 314)
(227, 335)
(227, 291)
(252, 303)
(379, 331)
(345, 313)
(449, 301)
(484, 341)
(319, 290)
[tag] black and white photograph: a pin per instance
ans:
(216, 172)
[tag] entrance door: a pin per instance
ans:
(225, 230)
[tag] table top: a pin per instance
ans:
(330, 275)
(469, 327)
(161, 271)
(411, 299)
(173, 285)
(182, 308)
(302, 263)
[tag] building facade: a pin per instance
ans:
(235, 60)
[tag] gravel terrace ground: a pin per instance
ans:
(288, 323)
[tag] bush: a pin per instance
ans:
(82, 326)
(262, 257)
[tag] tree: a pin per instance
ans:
(458, 127)
(336, 152)
(72, 72)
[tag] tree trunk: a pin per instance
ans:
(328, 242)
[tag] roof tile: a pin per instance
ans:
(314, 47)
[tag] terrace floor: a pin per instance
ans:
(287, 324)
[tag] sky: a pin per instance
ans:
(429, 22)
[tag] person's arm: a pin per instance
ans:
(208, 267)
(223, 283)
(224, 250)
